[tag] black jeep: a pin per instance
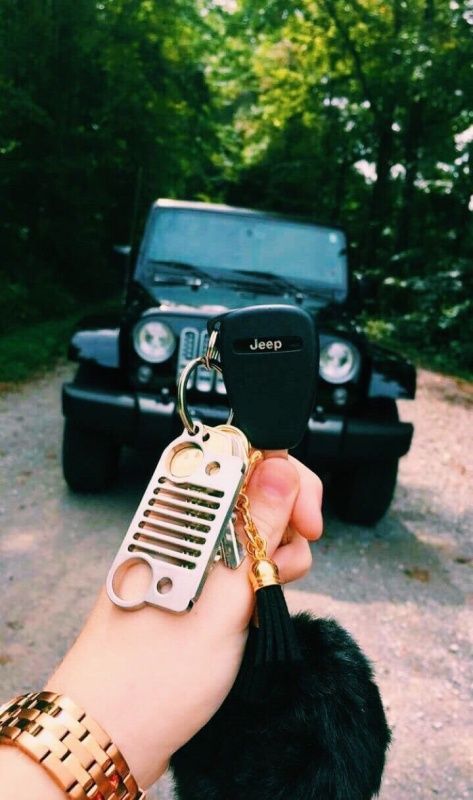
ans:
(197, 260)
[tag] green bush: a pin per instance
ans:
(431, 315)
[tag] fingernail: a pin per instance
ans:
(276, 478)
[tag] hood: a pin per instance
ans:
(216, 298)
(207, 301)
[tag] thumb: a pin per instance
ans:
(272, 492)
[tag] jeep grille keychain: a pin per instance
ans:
(184, 520)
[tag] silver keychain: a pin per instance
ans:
(184, 521)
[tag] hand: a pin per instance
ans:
(153, 679)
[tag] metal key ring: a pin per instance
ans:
(211, 355)
(181, 392)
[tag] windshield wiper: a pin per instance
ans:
(275, 280)
(180, 267)
(321, 294)
(299, 292)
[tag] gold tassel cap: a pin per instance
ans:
(264, 572)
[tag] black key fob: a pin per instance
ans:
(270, 362)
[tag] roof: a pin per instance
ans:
(221, 208)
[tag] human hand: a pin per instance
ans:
(153, 679)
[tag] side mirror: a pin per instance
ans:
(121, 255)
(121, 261)
(122, 249)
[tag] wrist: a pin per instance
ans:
(99, 675)
(72, 748)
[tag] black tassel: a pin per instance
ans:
(272, 648)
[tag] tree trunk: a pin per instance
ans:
(380, 203)
(412, 139)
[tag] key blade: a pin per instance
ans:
(233, 553)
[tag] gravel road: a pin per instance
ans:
(404, 589)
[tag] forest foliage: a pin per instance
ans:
(358, 112)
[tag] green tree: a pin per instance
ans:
(98, 100)
(309, 90)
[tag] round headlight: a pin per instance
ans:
(154, 341)
(339, 362)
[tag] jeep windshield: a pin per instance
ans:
(232, 246)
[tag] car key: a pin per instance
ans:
(269, 358)
(231, 550)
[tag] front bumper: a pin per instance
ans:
(141, 421)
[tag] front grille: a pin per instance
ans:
(193, 343)
(188, 348)
(204, 378)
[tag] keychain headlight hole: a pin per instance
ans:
(164, 585)
(185, 460)
(131, 580)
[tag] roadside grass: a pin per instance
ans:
(33, 349)
(422, 356)
(36, 347)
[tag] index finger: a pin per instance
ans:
(307, 512)
(306, 516)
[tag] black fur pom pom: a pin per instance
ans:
(324, 737)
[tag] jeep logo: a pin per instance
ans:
(269, 344)
(273, 344)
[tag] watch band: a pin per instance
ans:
(76, 752)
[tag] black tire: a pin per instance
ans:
(89, 459)
(362, 492)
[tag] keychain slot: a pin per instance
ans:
(184, 535)
(170, 529)
(162, 522)
(185, 523)
(185, 509)
(176, 547)
(187, 496)
(189, 486)
(151, 551)
(180, 513)
(205, 490)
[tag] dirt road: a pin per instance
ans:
(404, 589)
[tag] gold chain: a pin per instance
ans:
(256, 545)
